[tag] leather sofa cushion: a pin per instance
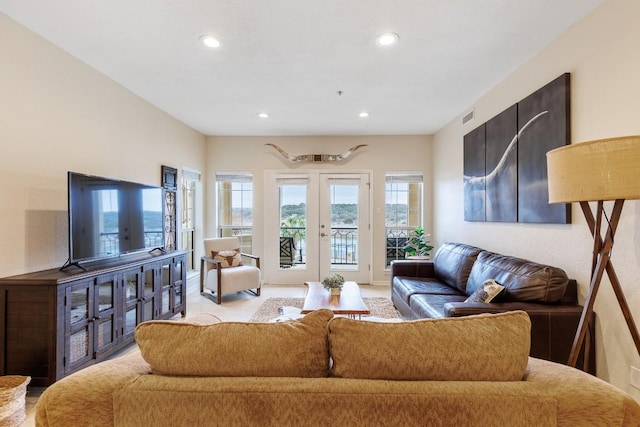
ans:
(523, 280)
(297, 348)
(407, 286)
(432, 306)
(453, 263)
(486, 347)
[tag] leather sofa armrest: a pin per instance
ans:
(412, 268)
(458, 309)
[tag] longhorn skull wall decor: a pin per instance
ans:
(316, 158)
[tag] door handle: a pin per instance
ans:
(322, 235)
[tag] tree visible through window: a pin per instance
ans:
(403, 212)
(235, 208)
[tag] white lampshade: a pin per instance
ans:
(606, 169)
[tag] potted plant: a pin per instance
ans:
(418, 246)
(333, 283)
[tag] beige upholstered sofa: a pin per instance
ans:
(321, 370)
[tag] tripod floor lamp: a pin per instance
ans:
(597, 171)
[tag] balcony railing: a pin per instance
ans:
(344, 246)
(396, 240)
(110, 244)
(344, 242)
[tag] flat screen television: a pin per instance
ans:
(110, 217)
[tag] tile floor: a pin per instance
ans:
(234, 307)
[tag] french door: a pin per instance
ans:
(317, 224)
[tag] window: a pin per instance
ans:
(235, 208)
(403, 211)
(188, 228)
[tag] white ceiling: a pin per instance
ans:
(291, 57)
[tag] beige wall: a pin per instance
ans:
(601, 54)
(383, 154)
(58, 114)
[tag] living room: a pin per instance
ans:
(62, 115)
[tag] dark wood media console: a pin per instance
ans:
(56, 322)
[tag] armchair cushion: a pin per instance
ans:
(234, 279)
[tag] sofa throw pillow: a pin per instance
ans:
(297, 348)
(229, 258)
(447, 349)
(489, 291)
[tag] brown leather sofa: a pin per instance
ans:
(439, 287)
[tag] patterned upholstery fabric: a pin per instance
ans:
(229, 258)
(485, 347)
(124, 392)
(236, 349)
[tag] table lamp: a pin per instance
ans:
(597, 171)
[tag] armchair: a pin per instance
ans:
(222, 270)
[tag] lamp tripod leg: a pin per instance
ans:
(602, 262)
(587, 312)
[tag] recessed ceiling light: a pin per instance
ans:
(263, 115)
(210, 41)
(364, 114)
(387, 39)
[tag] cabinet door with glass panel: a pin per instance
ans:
(105, 314)
(90, 325)
(172, 287)
(132, 284)
(140, 286)
(78, 325)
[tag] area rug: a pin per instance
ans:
(380, 307)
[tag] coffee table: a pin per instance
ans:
(349, 301)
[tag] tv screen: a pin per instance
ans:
(109, 217)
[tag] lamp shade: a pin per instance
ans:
(606, 169)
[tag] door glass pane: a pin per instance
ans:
(178, 270)
(166, 276)
(79, 345)
(293, 225)
(166, 295)
(79, 305)
(131, 287)
(148, 310)
(148, 282)
(178, 295)
(131, 320)
(344, 225)
(105, 296)
(105, 333)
